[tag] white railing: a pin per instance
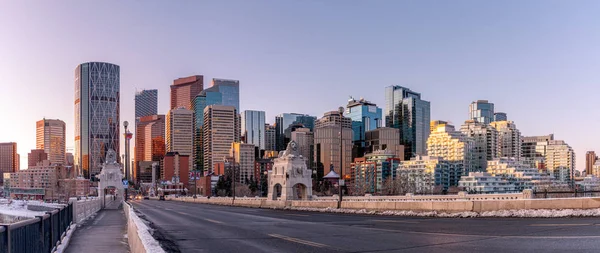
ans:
(85, 207)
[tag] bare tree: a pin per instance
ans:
(242, 190)
(358, 187)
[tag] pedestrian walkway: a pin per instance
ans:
(104, 234)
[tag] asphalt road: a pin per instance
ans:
(192, 227)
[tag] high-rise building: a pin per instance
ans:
(590, 160)
(230, 91)
(36, 156)
(384, 138)
(327, 143)
(435, 123)
(560, 160)
(50, 136)
(184, 90)
(253, 128)
(270, 140)
(535, 149)
(509, 139)
(481, 111)
(405, 110)
(221, 127)
(9, 159)
(285, 123)
(485, 143)
(176, 168)
(365, 116)
(97, 121)
(146, 103)
(69, 159)
(243, 155)
(430, 171)
(180, 132)
(451, 145)
(306, 140)
(500, 116)
(149, 142)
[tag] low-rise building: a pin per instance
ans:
(429, 171)
(369, 173)
(483, 182)
(519, 173)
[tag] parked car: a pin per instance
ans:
(162, 197)
(146, 197)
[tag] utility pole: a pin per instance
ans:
(127, 138)
(341, 180)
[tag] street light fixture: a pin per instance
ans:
(341, 180)
(127, 137)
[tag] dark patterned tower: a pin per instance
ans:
(97, 86)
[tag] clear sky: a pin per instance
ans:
(538, 61)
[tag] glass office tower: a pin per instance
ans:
(97, 86)
(253, 128)
(366, 116)
(482, 111)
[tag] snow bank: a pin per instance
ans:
(65, 241)
(541, 213)
(143, 231)
(19, 208)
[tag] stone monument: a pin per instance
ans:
(290, 176)
(111, 175)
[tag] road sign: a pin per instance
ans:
(125, 183)
(342, 182)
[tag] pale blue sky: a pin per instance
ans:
(538, 61)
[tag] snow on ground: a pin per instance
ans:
(541, 213)
(143, 230)
(65, 241)
(18, 208)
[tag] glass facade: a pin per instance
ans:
(146, 103)
(230, 91)
(253, 128)
(405, 110)
(284, 124)
(500, 116)
(365, 117)
(97, 101)
(482, 111)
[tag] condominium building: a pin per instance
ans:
(97, 115)
(485, 143)
(253, 128)
(519, 173)
(509, 139)
(429, 172)
(368, 174)
(180, 133)
(327, 143)
(42, 180)
(483, 182)
(270, 137)
(50, 136)
(590, 160)
(221, 127)
(184, 90)
(560, 160)
(451, 145)
(534, 150)
(243, 155)
(384, 138)
(482, 111)
(405, 110)
(9, 159)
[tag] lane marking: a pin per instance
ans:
(396, 221)
(214, 221)
(296, 240)
(182, 213)
(293, 214)
(559, 225)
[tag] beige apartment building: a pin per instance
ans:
(221, 128)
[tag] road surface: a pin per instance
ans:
(192, 227)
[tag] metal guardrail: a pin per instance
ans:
(40, 234)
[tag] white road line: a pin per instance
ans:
(296, 240)
(293, 214)
(214, 221)
(395, 221)
(559, 225)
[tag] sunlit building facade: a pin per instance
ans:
(560, 160)
(221, 127)
(50, 136)
(534, 149)
(485, 143)
(509, 139)
(9, 159)
(180, 132)
(429, 172)
(243, 155)
(149, 142)
(368, 174)
(184, 90)
(451, 145)
(97, 120)
(327, 143)
(482, 111)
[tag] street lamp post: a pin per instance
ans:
(127, 138)
(341, 180)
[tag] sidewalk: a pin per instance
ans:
(104, 234)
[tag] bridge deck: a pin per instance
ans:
(104, 234)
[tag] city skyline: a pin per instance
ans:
(538, 77)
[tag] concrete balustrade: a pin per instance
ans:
(85, 207)
(450, 204)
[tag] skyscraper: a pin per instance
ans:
(221, 127)
(9, 159)
(180, 132)
(327, 143)
(366, 116)
(481, 111)
(243, 154)
(384, 138)
(36, 156)
(253, 128)
(146, 103)
(509, 139)
(230, 91)
(270, 137)
(306, 140)
(534, 150)
(97, 103)
(184, 90)
(285, 122)
(590, 160)
(405, 110)
(50, 136)
(149, 141)
(486, 146)
(560, 160)
(500, 116)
